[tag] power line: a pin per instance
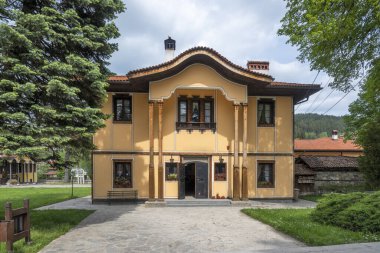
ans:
(322, 101)
(353, 88)
(307, 93)
(319, 93)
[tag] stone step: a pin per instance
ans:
(198, 202)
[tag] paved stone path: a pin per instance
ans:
(135, 228)
(78, 203)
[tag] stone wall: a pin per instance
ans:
(323, 178)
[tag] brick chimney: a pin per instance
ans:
(259, 66)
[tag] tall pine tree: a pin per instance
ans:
(53, 73)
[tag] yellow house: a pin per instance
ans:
(198, 125)
(20, 170)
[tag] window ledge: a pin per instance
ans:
(265, 125)
(266, 187)
(122, 121)
(191, 126)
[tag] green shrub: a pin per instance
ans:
(342, 188)
(331, 205)
(354, 211)
(363, 215)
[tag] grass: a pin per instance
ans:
(297, 223)
(46, 225)
(38, 196)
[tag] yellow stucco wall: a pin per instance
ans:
(284, 124)
(283, 177)
(103, 173)
(140, 137)
(198, 76)
(26, 177)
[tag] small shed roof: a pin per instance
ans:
(330, 162)
(302, 170)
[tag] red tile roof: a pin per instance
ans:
(325, 143)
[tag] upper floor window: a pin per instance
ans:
(265, 112)
(182, 117)
(265, 174)
(195, 113)
(122, 108)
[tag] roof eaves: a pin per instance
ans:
(194, 49)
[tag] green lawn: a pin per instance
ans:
(297, 223)
(48, 224)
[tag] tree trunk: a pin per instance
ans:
(66, 178)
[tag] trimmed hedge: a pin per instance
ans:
(354, 211)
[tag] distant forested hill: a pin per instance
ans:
(312, 125)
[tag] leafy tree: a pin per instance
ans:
(363, 125)
(341, 38)
(53, 74)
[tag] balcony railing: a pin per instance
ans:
(201, 126)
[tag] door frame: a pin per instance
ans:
(200, 158)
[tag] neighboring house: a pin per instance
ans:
(327, 146)
(198, 125)
(314, 173)
(52, 173)
(20, 170)
(326, 161)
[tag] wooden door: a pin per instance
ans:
(181, 181)
(201, 180)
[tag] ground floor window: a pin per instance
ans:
(171, 171)
(122, 176)
(265, 174)
(220, 172)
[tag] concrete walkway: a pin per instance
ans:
(135, 228)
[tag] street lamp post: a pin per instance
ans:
(72, 184)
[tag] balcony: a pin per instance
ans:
(191, 126)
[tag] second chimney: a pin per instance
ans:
(259, 66)
(334, 135)
(169, 48)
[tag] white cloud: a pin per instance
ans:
(240, 30)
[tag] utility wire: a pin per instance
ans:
(319, 93)
(308, 91)
(353, 88)
(322, 101)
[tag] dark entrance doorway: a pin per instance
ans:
(193, 180)
(190, 179)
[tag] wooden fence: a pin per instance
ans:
(16, 225)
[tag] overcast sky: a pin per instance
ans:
(240, 30)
